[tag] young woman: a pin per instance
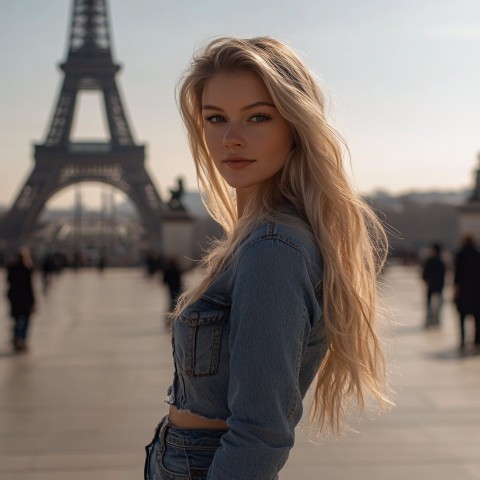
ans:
(288, 298)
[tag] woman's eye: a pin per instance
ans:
(259, 118)
(215, 119)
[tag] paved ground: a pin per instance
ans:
(83, 402)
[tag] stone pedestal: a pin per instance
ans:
(178, 237)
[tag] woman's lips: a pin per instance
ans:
(238, 163)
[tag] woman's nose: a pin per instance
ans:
(233, 137)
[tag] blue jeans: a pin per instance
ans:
(181, 453)
(20, 328)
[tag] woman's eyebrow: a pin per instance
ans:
(246, 107)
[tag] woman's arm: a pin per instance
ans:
(270, 323)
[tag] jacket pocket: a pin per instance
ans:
(197, 337)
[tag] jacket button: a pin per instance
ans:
(194, 316)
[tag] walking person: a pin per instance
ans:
(48, 269)
(288, 296)
(21, 296)
(172, 277)
(467, 287)
(433, 275)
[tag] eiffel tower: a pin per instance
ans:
(60, 163)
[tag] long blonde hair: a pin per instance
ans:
(351, 239)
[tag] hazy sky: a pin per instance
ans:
(403, 78)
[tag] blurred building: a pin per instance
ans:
(469, 211)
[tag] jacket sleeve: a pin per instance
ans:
(269, 328)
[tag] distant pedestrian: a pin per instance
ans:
(102, 262)
(48, 269)
(21, 297)
(152, 263)
(172, 277)
(467, 286)
(434, 276)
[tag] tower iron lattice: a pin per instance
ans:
(60, 162)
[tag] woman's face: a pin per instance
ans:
(248, 140)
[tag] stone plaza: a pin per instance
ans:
(83, 402)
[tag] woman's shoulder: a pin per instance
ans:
(285, 226)
(288, 228)
(283, 239)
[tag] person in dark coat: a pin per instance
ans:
(21, 296)
(172, 277)
(434, 276)
(467, 287)
(48, 269)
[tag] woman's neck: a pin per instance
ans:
(242, 197)
(240, 208)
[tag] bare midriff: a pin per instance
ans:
(185, 419)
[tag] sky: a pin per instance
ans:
(402, 78)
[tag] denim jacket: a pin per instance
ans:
(248, 349)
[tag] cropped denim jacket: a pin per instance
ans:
(248, 349)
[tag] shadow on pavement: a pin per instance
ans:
(455, 354)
